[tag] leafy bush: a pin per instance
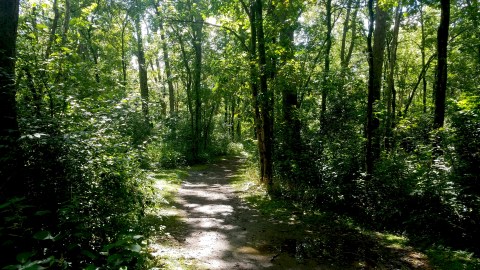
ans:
(85, 193)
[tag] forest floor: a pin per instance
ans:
(214, 224)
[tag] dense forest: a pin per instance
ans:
(369, 109)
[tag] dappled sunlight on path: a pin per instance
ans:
(217, 230)
(216, 220)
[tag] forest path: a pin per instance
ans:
(219, 230)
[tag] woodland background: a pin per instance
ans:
(368, 109)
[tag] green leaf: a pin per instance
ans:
(24, 256)
(42, 213)
(43, 235)
(89, 254)
(34, 266)
(10, 202)
(42, 26)
(135, 248)
(136, 237)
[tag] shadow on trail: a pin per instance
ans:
(220, 231)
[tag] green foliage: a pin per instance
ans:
(235, 149)
(445, 258)
(87, 151)
(164, 155)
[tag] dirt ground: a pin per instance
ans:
(221, 231)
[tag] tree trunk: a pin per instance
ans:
(124, 57)
(424, 80)
(66, 21)
(53, 29)
(266, 98)
(441, 78)
(168, 71)
(232, 119)
(375, 62)
(251, 12)
(142, 71)
(345, 57)
(390, 117)
(197, 29)
(188, 89)
(346, 27)
(326, 73)
(9, 132)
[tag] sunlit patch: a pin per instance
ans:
(214, 209)
(248, 250)
(361, 264)
(415, 259)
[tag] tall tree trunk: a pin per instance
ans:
(166, 59)
(422, 49)
(251, 12)
(375, 62)
(53, 29)
(142, 71)
(38, 94)
(9, 132)
(346, 56)
(124, 57)
(188, 86)
(441, 79)
(168, 71)
(391, 93)
(266, 106)
(326, 73)
(66, 21)
(197, 28)
(232, 119)
(346, 27)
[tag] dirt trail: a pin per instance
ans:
(223, 232)
(220, 231)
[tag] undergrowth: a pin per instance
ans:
(390, 250)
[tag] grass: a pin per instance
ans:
(163, 221)
(445, 258)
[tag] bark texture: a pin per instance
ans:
(441, 78)
(9, 132)
(375, 62)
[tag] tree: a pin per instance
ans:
(391, 92)
(197, 32)
(266, 100)
(262, 97)
(375, 63)
(441, 71)
(9, 132)
(326, 71)
(345, 56)
(168, 71)
(142, 68)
